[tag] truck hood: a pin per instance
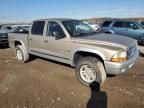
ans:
(107, 39)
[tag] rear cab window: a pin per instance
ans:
(106, 23)
(38, 28)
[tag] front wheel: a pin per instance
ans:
(141, 42)
(89, 70)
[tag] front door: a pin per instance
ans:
(57, 44)
(132, 30)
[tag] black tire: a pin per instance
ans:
(141, 41)
(97, 67)
(24, 54)
(108, 33)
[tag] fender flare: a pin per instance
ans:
(110, 31)
(20, 42)
(99, 53)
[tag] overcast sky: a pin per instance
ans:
(27, 10)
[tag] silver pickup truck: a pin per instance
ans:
(75, 43)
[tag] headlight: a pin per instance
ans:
(120, 57)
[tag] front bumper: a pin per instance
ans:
(118, 68)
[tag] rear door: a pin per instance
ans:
(36, 37)
(119, 28)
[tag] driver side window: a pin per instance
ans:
(131, 25)
(54, 27)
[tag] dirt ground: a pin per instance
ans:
(42, 83)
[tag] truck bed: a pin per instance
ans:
(13, 37)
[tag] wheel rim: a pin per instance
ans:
(19, 55)
(87, 73)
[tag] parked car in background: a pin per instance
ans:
(26, 27)
(126, 28)
(142, 23)
(3, 39)
(4, 30)
(21, 29)
(72, 42)
(96, 27)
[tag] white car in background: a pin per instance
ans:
(94, 26)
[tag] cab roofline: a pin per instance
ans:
(55, 19)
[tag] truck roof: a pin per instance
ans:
(55, 19)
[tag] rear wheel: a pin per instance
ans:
(89, 70)
(21, 54)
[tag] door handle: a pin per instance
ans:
(46, 41)
(30, 39)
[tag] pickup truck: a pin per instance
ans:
(70, 41)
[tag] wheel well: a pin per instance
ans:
(16, 43)
(81, 54)
(109, 32)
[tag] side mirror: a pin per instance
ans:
(58, 35)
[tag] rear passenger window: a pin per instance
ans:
(118, 24)
(106, 23)
(38, 28)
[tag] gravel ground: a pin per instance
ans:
(41, 83)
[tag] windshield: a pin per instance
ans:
(78, 28)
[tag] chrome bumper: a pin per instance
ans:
(118, 68)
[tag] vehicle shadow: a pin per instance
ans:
(110, 75)
(98, 98)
